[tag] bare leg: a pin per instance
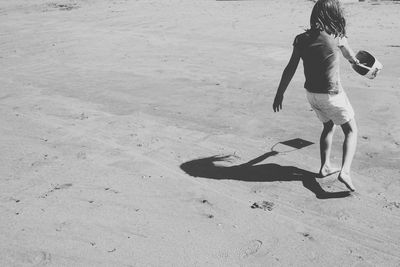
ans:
(325, 146)
(349, 149)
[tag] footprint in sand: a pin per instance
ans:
(56, 187)
(38, 258)
(308, 236)
(392, 205)
(250, 248)
(61, 226)
(264, 205)
(342, 215)
(205, 201)
(63, 6)
(63, 186)
(82, 116)
(81, 155)
(111, 190)
(32, 258)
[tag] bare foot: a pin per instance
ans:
(326, 171)
(346, 179)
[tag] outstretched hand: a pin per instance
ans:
(277, 105)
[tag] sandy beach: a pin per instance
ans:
(141, 133)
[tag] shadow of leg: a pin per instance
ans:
(311, 184)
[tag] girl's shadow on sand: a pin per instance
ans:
(249, 172)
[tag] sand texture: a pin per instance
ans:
(141, 133)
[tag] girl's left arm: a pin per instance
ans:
(347, 52)
(287, 76)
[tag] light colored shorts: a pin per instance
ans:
(336, 108)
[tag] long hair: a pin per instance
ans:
(327, 15)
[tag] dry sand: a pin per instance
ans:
(111, 112)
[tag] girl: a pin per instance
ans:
(319, 49)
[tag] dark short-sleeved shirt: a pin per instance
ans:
(320, 54)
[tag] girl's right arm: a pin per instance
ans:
(287, 76)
